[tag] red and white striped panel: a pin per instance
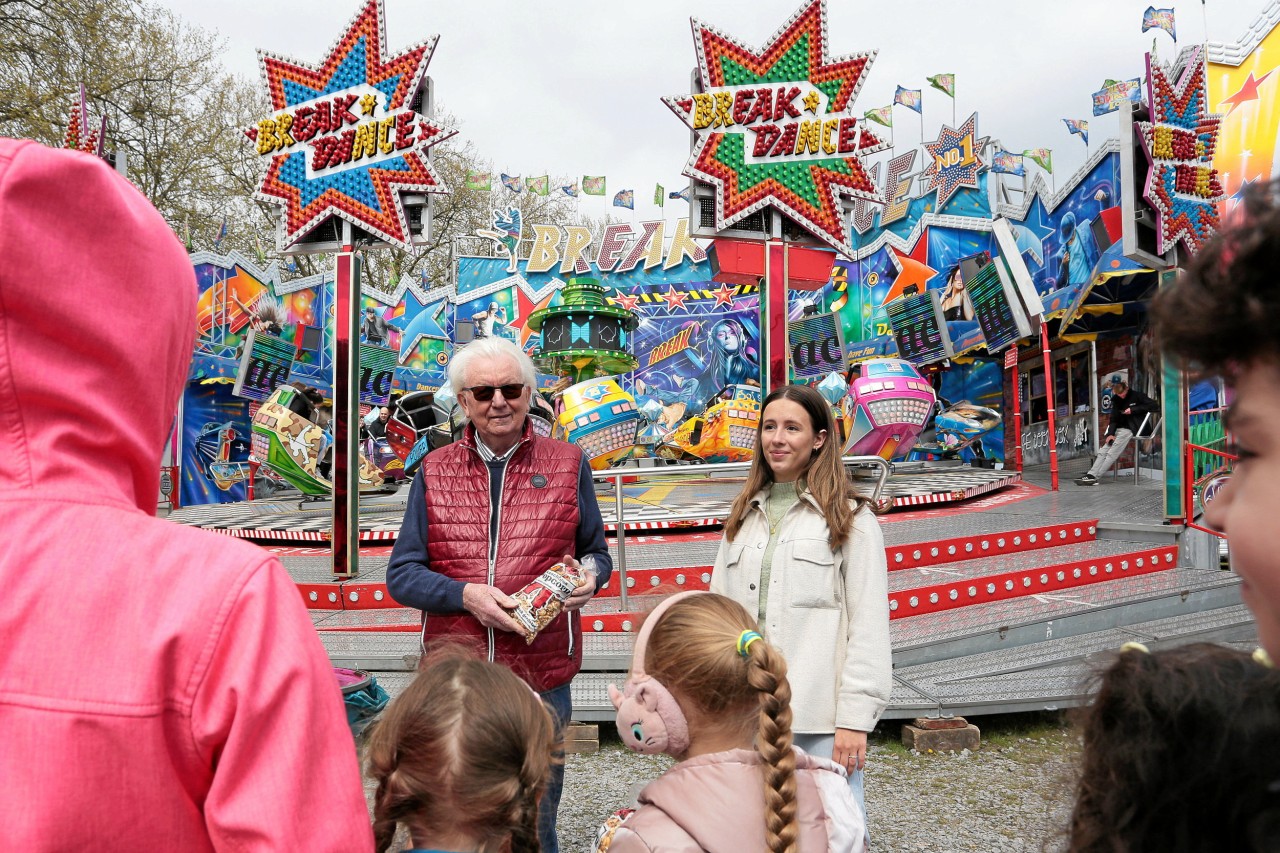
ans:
(1024, 582)
(658, 581)
(932, 553)
(612, 527)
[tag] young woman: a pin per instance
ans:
(706, 688)
(804, 554)
(461, 759)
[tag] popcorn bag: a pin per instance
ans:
(541, 600)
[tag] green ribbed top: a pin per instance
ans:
(782, 496)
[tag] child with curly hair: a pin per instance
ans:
(1181, 754)
(1222, 316)
(706, 688)
(461, 759)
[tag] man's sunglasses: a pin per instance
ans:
(484, 393)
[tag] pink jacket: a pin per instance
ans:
(161, 688)
(715, 803)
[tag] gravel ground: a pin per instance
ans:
(1013, 795)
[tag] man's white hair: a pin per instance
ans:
(493, 348)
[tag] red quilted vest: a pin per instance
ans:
(537, 525)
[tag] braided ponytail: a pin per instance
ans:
(767, 674)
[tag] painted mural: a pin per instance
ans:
(238, 296)
(1245, 88)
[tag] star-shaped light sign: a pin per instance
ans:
(775, 126)
(955, 159)
(1182, 186)
(343, 139)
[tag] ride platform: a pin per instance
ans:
(1001, 598)
(1019, 595)
(680, 498)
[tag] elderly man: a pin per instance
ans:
(490, 513)
(1129, 408)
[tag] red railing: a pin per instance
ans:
(1192, 481)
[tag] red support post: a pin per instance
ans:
(1052, 403)
(775, 329)
(253, 475)
(1011, 361)
(346, 412)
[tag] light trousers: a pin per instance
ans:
(1110, 453)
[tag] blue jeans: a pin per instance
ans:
(560, 703)
(822, 746)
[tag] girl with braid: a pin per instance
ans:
(805, 556)
(706, 688)
(461, 758)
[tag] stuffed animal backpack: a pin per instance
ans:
(649, 718)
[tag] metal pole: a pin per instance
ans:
(782, 332)
(622, 541)
(1017, 410)
(1051, 400)
(1095, 399)
(346, 411)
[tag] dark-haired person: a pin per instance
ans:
(805, 556)
(1139, 789)
(1222, 315)
(487, 515)
(1129, 408)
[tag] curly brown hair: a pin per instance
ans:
(692, 649)
(1224, 309)
(466, 749)
(1181, 754)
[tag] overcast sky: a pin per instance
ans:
(573, 87)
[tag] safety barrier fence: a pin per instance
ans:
(1206, 460)
(619, 478)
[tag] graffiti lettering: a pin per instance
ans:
(677, 343)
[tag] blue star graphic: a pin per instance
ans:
(1238, 195)
(595, 392)
(425, 325)
(1037, 229)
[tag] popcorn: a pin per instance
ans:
(541, 600)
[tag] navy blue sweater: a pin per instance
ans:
(410, 579)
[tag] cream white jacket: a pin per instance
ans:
(828, 611)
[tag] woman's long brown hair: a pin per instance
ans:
(825, 477)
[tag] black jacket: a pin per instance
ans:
(1139, 406)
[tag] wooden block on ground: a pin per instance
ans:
(581, 738)
(942, 740)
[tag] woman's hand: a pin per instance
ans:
(850, 750)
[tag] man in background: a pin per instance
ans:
(1129, 409)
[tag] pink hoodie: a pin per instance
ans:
(715, 803)
(161, 688)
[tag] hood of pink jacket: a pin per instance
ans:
(85, 262)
